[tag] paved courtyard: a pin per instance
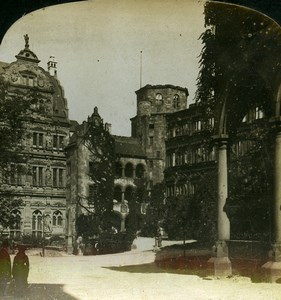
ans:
(99, 277)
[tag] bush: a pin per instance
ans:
(114, 243)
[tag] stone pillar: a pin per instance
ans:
(123, 171)
(123, 225)
(222, 264)
(69, 231)
(134, 171)
(273, 268)
(223, 221)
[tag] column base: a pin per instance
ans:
(221, 263)
(272, 271)
(222, 266)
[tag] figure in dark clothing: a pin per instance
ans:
(5, 267)
(20, 271)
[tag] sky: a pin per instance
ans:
(98, 46)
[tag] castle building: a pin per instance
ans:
(42, 185)
(57, 161)
(154, 103)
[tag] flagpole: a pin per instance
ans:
(140, 69)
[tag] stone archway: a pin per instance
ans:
(248, 68)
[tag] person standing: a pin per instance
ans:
(5, 267)
(20, 271)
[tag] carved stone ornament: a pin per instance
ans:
(41, 81)
(14, 76)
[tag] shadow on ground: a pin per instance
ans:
(194, 260)
(41, 291)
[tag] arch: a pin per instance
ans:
(57, 218)
(247, 91)
(118, 193)
(129, 191)
(118, 169)
(176, 101)
(15, 227)
(129, 170)
(140, 169)
(159, 99)
(37, 223)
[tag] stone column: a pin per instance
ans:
(123, 225)
(134, 171)
(123, 171)
(223, 221)
(222, 264)
(273, 268)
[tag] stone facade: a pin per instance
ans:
(154, 103)
(42, 186)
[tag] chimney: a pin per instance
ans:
(52, 66)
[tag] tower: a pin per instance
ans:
(52, 66)
(154, 102)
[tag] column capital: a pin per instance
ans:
(221, 139)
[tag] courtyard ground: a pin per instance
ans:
(132, 275)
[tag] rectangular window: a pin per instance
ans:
(197, 125)
(61, 142)
(151, 164)
(55, 177)
(37, 140)
(55, 141)
(40, 176)
(37, 176)
(151, 140)
(40, 140)
(58, 177)
(158, 154)
(58, 142)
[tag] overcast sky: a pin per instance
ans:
(97, 46)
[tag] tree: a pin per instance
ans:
(155, 211)
(193, 216)
(250, 192)
(101, 146)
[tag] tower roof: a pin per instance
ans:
(160, 86)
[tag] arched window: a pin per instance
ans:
(118, 193)
(37, 223)
(176, 101)
(140, 171)
(129, 170)
(15, 227)
(129, 193)
(57, 218)
(159, 99)
(118, 169)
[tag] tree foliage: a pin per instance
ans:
(155, 211)
(101, 146)
(251, 191)
(194, 216)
